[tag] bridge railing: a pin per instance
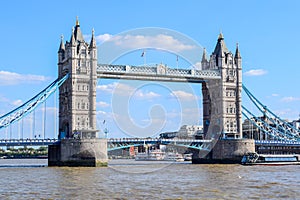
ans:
(120, 140)
(262, 142)
(27, 140)
(160, 70)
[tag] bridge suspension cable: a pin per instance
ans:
(280, 129)
(265, 127)
(31, 104)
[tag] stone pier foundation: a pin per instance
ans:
(226, 151)
(78, 153)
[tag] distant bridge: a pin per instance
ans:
(26, 142)
(277, 147)
(116, 143)
(262, 146)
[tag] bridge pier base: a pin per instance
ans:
(226, 151)
(78, 153)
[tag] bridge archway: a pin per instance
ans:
(64, 130)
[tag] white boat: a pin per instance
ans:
(158, 155)
(150, 156)
(188, 157)
(171, 156)
(268, 159)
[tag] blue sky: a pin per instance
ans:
(267, 33)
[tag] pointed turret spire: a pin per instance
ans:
(221, 37)
(77, 21)
(237, 52)
(93, 40)
(72, 40)
(77, 32)
(62, 45)
(220, 48)
(204, 58)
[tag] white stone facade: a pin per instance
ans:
(77, 96)
(222, 99)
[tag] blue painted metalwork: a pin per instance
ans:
(267, 129)
(27, 142)
(274, 142)
(123, 147)
(31, 104)
(282, 129)
(124, 143)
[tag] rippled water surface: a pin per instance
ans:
(129, 179)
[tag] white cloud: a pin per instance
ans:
(12, 78)
(103, 38)
(49, 109)
(17, 102)
(275, 95)
(290, 99)
(287, 114)
(197, 65)
(3, 99)
(102, 104)
(255, 72)
(99, 38)
(100, 112)
(152, 121)
(160, 41)
(174, 114)
(126, 90)
(116, 88)
(185, 96)
(107, 88)
(145, 95)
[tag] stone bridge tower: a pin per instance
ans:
(222, 108)
(226, 93)
(79, 144)
(77, 97)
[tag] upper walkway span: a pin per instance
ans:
(158, 72)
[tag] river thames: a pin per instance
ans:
(129, 179)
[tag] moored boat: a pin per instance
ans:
(150, 156)
(187, 157)
(158, 155)
(268, 159)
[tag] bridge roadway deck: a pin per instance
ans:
(275, 143)
(277, 147)
(42, 142)
(153, 140)
(27, 142)
(156, 73)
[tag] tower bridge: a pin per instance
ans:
(221, 80)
